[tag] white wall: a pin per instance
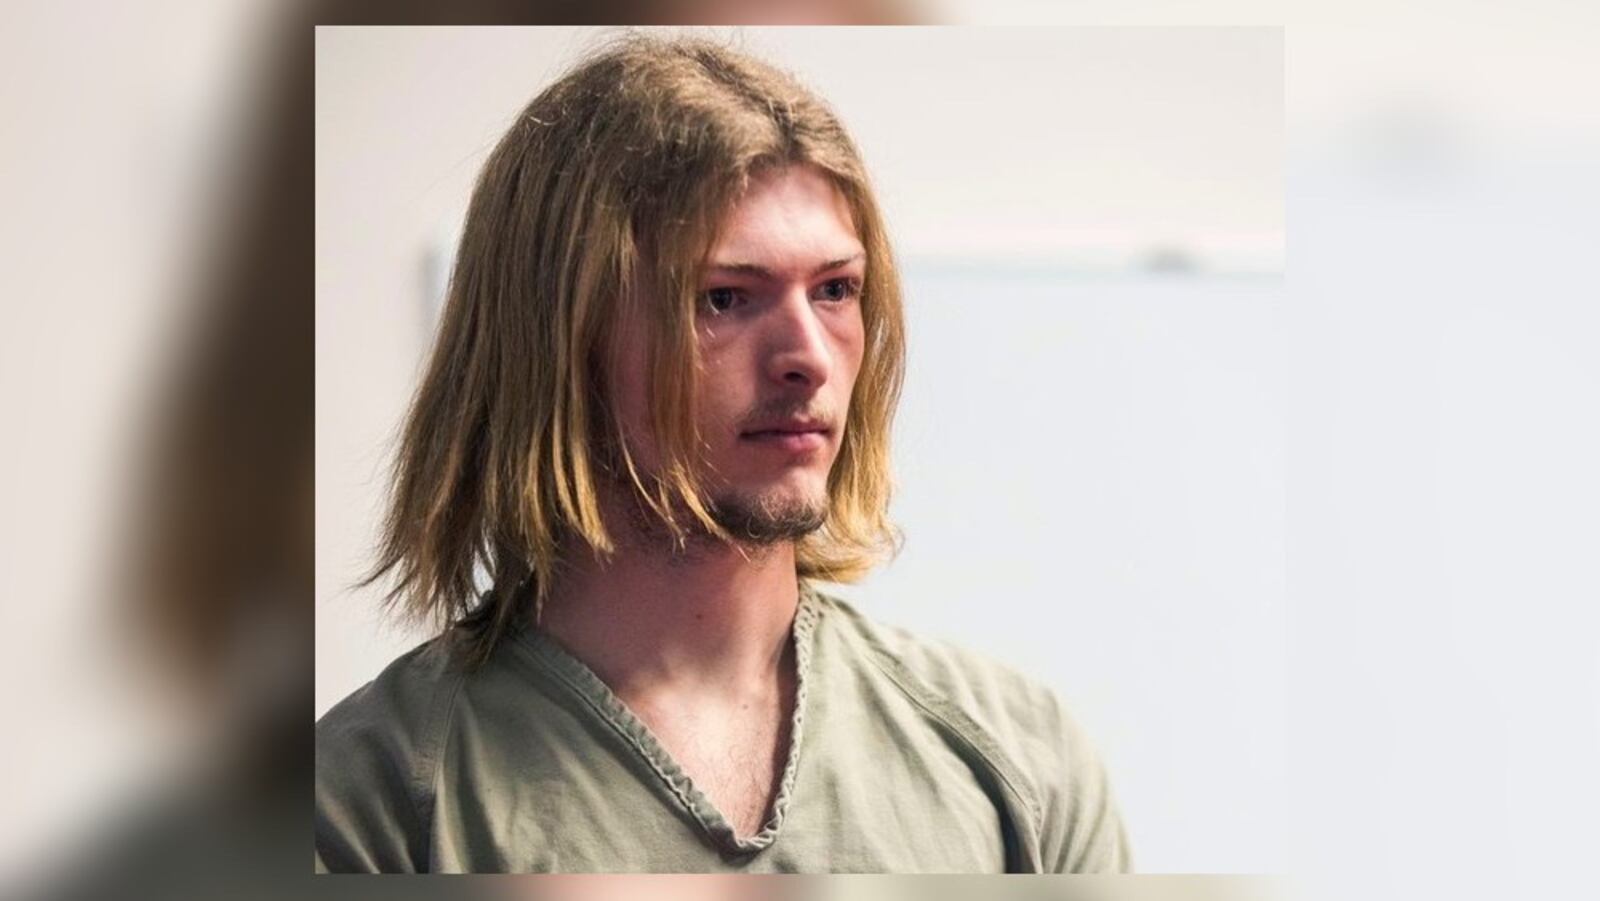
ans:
(1091, 459)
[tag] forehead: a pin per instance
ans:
(787, 218)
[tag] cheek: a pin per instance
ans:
(851, 342)
(635, 425)
(728, 379)
(634, 412)
(628, 393)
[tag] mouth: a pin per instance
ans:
(796, 438)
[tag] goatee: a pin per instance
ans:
(764, 521)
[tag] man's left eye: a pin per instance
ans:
(838, 289)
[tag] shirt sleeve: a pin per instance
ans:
(376, 758)
(1081, 829)
(366, 815)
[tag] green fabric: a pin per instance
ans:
(907, 756)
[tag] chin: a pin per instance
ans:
(771, 515)
(793, 493)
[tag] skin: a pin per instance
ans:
(697, 644)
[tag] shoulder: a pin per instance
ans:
(1018, 723)
(1006, 703)
(376, 753)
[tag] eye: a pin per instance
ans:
(838, 289)
(721, 300)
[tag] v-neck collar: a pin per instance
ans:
(598, 696)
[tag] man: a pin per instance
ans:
(656, 416)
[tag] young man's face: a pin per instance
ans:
(781, 338)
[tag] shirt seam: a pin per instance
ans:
(633, 741)
(969, 732)
(430, 759)
(711, 820)
(963, 727)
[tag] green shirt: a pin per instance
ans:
(906, 756)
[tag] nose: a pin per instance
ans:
(798, 351)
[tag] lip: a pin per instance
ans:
(791, 439)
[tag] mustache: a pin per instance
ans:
(787, 408)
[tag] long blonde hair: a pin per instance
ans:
(634, 155)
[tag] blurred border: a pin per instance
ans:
(1438, 120)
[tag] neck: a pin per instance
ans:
(651, 619)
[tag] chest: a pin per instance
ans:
(581, 788)
(858, 806)
(734, 754)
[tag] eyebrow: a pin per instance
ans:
(760, 271)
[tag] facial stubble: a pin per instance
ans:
(756, 522)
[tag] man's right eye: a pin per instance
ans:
(721, 300)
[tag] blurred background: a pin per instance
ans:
(161, 577)
(1090, 451)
